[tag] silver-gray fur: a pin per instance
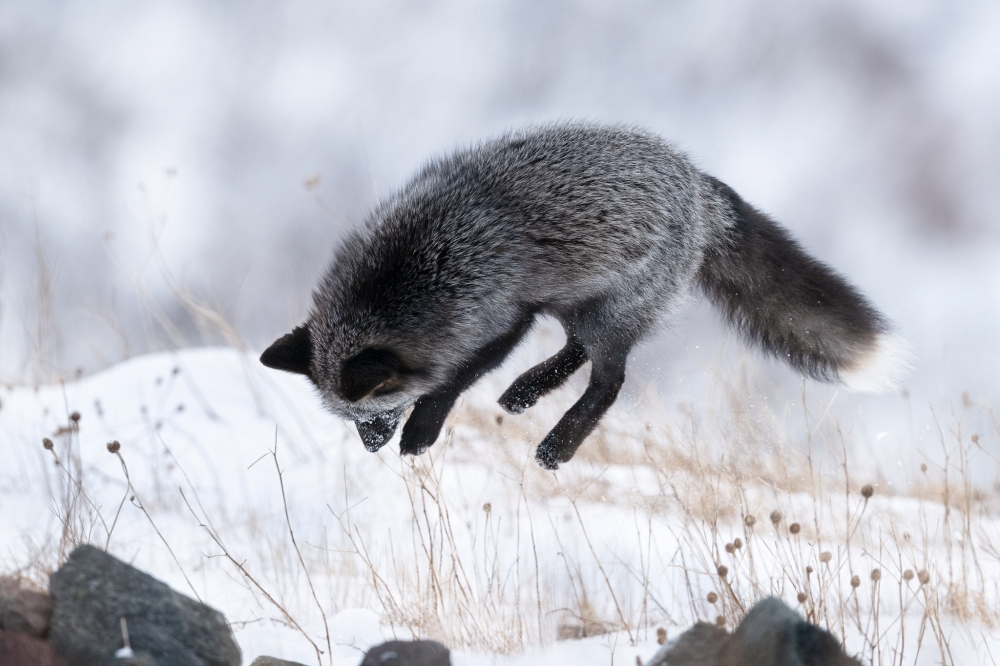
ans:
(607, 229)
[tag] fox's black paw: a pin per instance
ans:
(414, 447)
(557, 447)
(550, 455)
(420, 432)
(516, 399)
(546, 458)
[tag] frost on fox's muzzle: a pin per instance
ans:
(375, 431)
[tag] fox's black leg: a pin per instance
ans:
(429, 412)
(424, 425)
(606, 378)
(544, 377)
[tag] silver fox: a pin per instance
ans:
(608, 229)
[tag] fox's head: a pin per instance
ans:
(371, 386)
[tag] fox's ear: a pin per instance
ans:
(291, 352)
(373, 371)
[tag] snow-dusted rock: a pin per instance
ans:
(408, 653)
(771, 634)
(93, 591)
(273, 661)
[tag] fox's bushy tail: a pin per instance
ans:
(795, 307)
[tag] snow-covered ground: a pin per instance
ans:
(175, 173)
(471, 543)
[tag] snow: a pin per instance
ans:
(471, 543)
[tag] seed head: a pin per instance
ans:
(114, 446)
(867, 490)
(487, 507)
(908, 574)
(75, 417)
(802, 596)
(730, 548)
(975, 438)
(661, 635)
(750, 521)
(923, 576)
(720, 621)
(47, 443)
(855, 581)
(876, 575)
(737, 543)
(723, 571)
(923, 467)
(825, 556)
(794, 528)
(712, 597)
(809, 569)
(775, 517)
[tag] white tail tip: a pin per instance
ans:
(881, 368)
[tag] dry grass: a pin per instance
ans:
(752, 517)
(666, 516)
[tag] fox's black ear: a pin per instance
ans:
(291, 352)
(373, 371)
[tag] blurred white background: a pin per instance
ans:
(216, 151)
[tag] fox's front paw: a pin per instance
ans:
(414, 445)
(421, 430)
(517, 399)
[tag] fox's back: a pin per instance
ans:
(574, 209)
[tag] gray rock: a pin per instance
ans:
(93, 591)
(274, 661)
(20, 649)
(771, 634)
(698, 646)
(408, 653)
(24, 610)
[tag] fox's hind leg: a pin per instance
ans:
(430, 411)
(606, 378)
(544, 377)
